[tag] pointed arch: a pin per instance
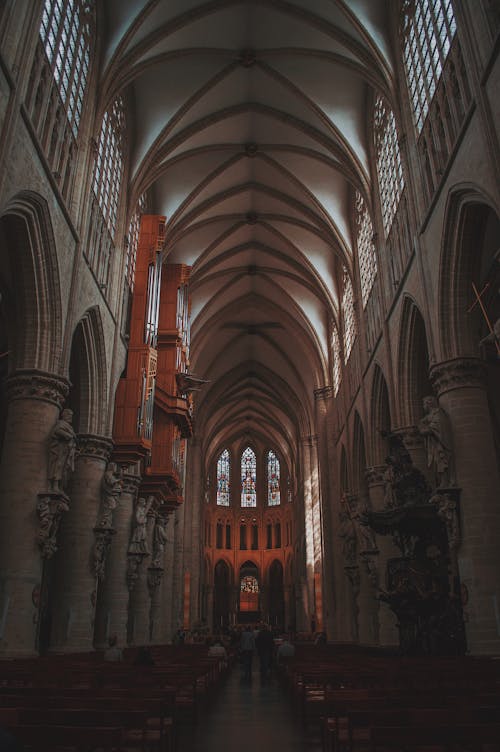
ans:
(469, 247)
(29, 278)
(380, 417)
(358, 456)
(344, 472)
(88, 374)
(413, 364)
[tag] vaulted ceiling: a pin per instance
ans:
(250, 132)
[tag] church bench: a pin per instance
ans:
(48, 738)
(474, 737)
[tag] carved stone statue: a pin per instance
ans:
(366, 536)
(62, 451)
(159, 541)
(389, 478)
(49, 509)
(447, 511)
(138, 543)
(435, 429)
(112, 484)
(347, 534)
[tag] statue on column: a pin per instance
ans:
(366, 535)
(112, 484)
(138, 543)
(347, 533)
(62, 451)
(436, 431)
(159, 541)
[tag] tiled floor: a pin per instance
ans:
(248, 716)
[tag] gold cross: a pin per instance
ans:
(479, 299)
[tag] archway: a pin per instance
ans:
(413, 365)
(249, 593)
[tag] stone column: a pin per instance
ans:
(331, 564)
(166, 630)
(34, 402)
(194, 495)
(75, 579)
(460, 385)
(113, 595)
(140, 599)
(156, 572)
(388, 633)
(367, 578)
(209, 589)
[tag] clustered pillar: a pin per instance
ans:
(34, 402)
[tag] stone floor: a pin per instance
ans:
(248, 716)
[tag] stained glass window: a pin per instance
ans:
(273, 479)
(248, 478)
(249, 593)
(223, 479)
(66, 33)
(108, 169)
(389, 168)
(336, 356)
(249, 584)
(348, 314)
(428, 30)
(366, 248)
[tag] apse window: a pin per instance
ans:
(223, 475)
(428, 30)
(249, 593)
(248, 478)
(273, 479)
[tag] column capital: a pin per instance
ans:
(37, 385)
(323, 393)
(375, 474)
(458, 373)
(94, 447)
(130, 483)
(310, 440)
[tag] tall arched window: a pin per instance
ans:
(336, 357)
(133, 240)
(366, 248)
(428, 30)
(389, 168)
(108, 169)
(348, 314)
(248, 478)
(58, 80)
(273, 479)
(65, 32)
(223, 479)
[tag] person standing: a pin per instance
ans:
(247, 647)
(265, 647)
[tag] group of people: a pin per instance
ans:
(268, 648)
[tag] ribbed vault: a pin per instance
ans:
(250, 135)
